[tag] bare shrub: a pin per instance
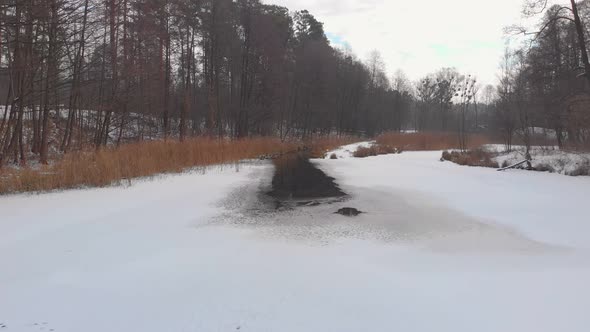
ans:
(446, 155)
(477, 157)
(581, 170)
(363, 152)
(374, 150)
(544, 168)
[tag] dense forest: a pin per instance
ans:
(78, 74)
(91, 72)
(544, 84)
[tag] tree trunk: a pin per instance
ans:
(581, 40)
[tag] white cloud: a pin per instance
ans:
(420, 36)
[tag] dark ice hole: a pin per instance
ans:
(296, 178)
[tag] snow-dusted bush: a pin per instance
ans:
(546, 159)
(544, 168)
(582, 170)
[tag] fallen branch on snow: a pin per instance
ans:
(526, 161)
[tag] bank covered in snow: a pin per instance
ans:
(548, 159)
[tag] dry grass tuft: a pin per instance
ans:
(477, 157)
(374, 150)
(114, 166)
(429, 141)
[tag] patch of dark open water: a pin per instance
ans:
(297, 179)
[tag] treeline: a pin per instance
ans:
(544, 83)
(543, 92)
(79, 74)
(83, 73)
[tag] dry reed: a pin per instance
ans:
(429, 141)
(116, 165)
(475, 157)
(374, 150)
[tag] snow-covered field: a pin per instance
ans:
(440, 248)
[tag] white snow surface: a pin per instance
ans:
(440, 248)
(347, 151)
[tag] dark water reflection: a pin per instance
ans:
(296, 178)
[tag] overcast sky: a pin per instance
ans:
(420, 36)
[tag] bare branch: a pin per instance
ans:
(534, 7)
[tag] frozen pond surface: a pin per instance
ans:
(403, 217)
(440, 248)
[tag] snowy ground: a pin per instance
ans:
(547, 158)
(347, 151)
(440, 248)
